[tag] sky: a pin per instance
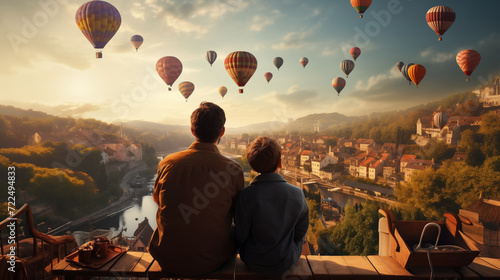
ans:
(48, 65)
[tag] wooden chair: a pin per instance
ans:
(38, 263)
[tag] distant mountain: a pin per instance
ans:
(13, 111)
(264, 128)
(154, 127)
(320, 121)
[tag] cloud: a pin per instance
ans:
(259, 22)
(438, 57)
(328, 51)
(291, 40)
(138, 10)
(295, 98)
(375, 82)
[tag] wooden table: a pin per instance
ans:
(138, 264)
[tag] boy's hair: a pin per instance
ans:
(207, 122)
(264, 154)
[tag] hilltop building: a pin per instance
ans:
(489, 96)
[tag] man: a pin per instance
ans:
(195, 190)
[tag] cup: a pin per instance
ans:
(101, 246)
(85, 254)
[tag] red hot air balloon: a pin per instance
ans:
(268, 76)
(361, 6)
(304, 61)
(240, 65)
(440, 18)
(186, 89)
(98, 21)
(338, 84)
(169, 68)
(416, 73)
(136, 41)
(355, 52)
(468, 60)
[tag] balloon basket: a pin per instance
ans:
(98, 55)
(169, 89)
(241, 90)
(440, 39)
(360, 16)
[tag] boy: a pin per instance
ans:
(271, 216)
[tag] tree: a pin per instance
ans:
(475, 156)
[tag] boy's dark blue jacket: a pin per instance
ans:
(271, 220)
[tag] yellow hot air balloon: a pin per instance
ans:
(416, 73)
(240, 65)
(186, 89)
(222, 91)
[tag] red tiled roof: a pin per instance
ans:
(306, 152)
(408, 157)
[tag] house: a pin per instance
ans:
(242, 145)
(320, 161)
(391, 168)
(489, 96)
(416, 165)
(375, 169)
(365, 144)
(404, 161)
(292, 158)
(364, 166)
(142, 235)
(459, 156)
(305, 156)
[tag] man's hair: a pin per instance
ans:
(207, 122)
(264, 154)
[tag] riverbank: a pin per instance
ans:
(124, 202)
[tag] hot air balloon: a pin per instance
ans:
(136, 41)
(304, 61)
(347, 66)
(355, 52)
(222, 91)
(98, 21)
(211, 56)
(400, 65)
(186, 89)
(404, 71)
(278, 61)
(361, 6)
(169, 68)
(416, 73)
(240, 65)
(468, 60)
(440, 119)
(440, 18)
(268, 76)
(338, 84)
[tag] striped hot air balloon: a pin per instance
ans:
(169, 68)
(240, 65)
(440, 18)
(211, 56)
(404, 71)
(361, 6)
(268, 76)
(468, 60)
(347, 66)
(278, 61)
(440, 119)
(355, 52)
(338, 84)
(416, 73)
(186, 89)
(304, 61)
(136, 41)
(98, 21)
(222, 91)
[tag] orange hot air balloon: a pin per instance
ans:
(468, 60)
(268, 76)
(222, 91)
(169, 68)
(416, 73)
(240, 65)
(355, 52)
(98, 21)
(440, 18)
(186, 89)
(361, 6)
